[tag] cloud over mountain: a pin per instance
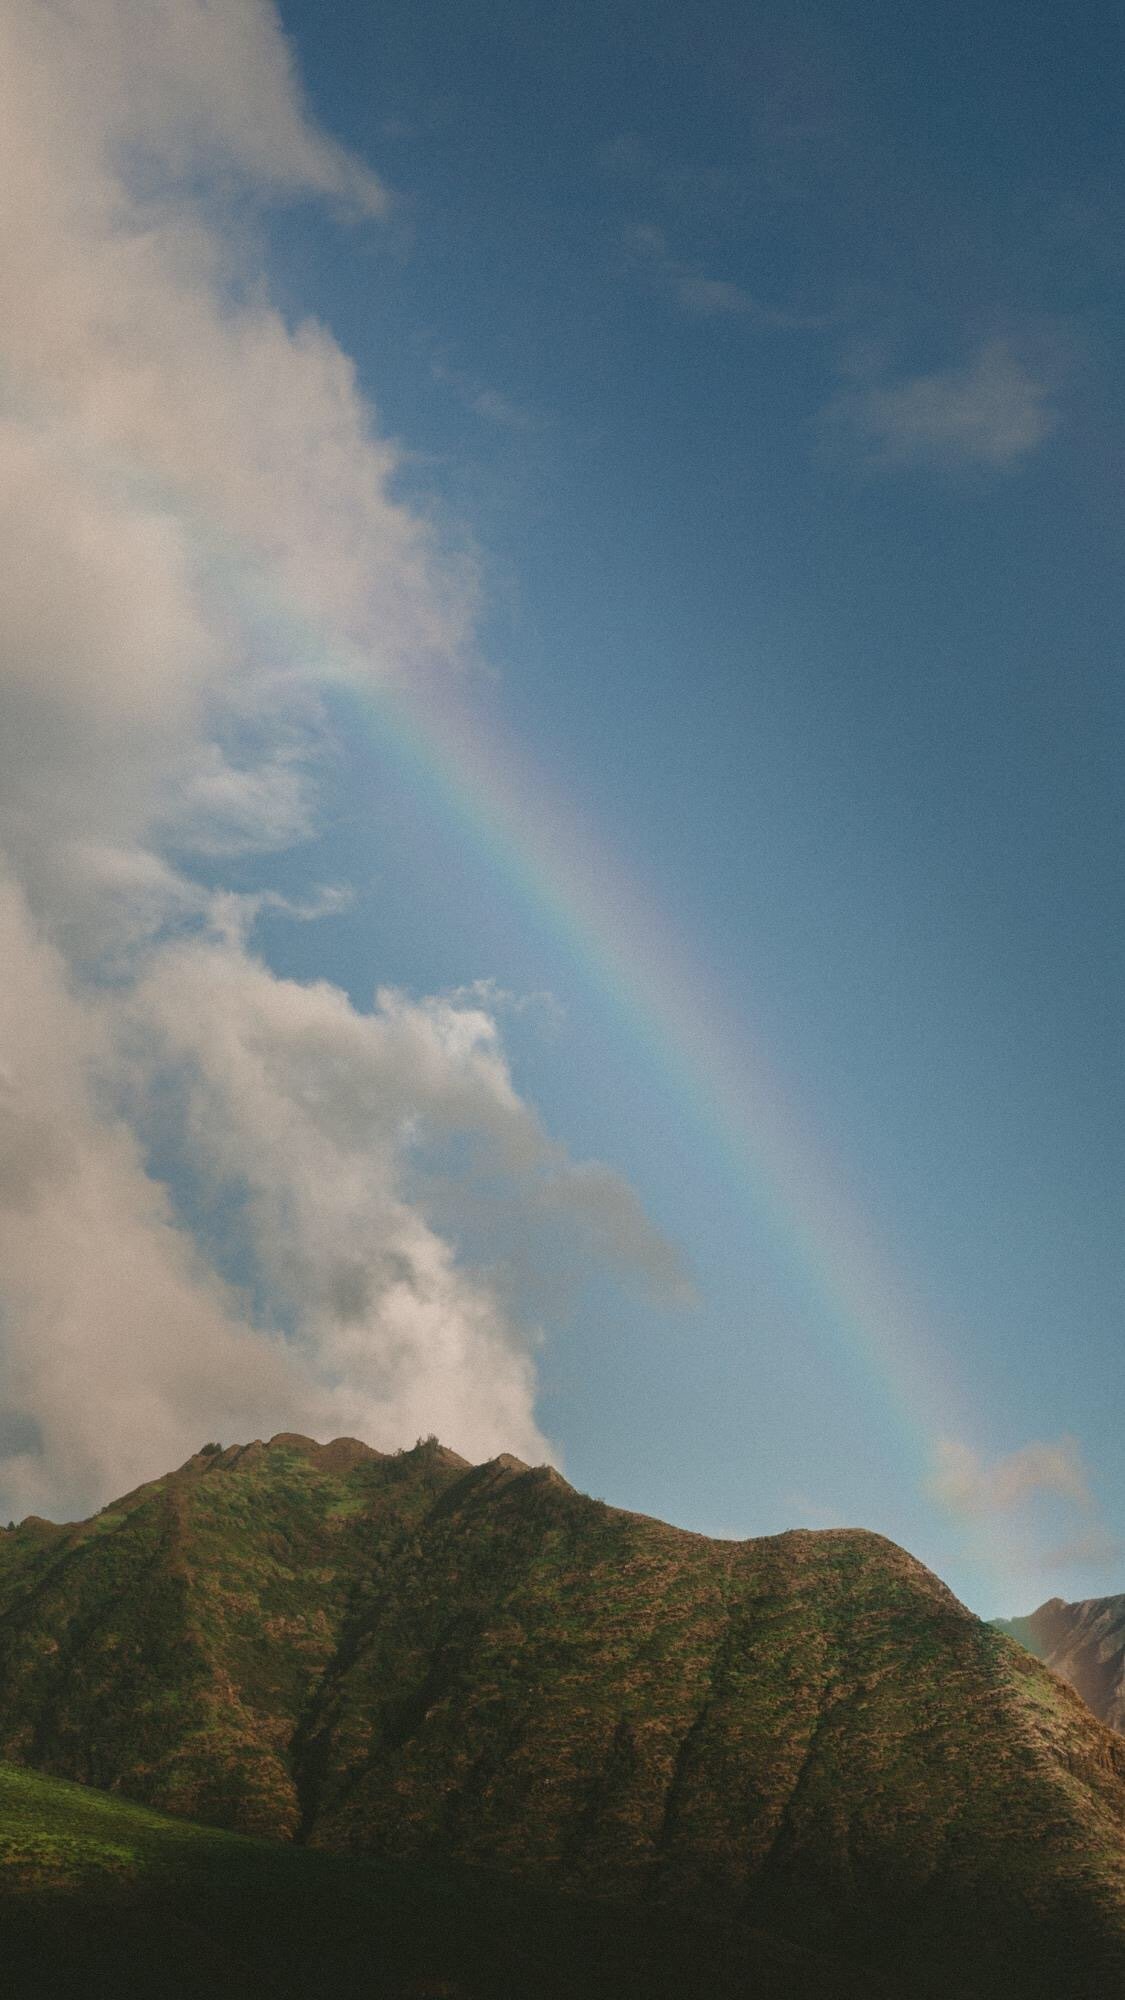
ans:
(200, 538)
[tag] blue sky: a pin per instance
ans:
(840, 678)
(763, 373)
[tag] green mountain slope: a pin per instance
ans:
(413, 1659)
(1085, 1643)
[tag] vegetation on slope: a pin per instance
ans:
(412, 1659)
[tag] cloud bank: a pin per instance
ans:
(200, 537)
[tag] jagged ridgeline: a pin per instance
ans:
(1085, 1643)
(443, 1666)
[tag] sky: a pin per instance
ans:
(560, 732)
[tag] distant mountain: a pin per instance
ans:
(1085, 1643)
(455, 1667)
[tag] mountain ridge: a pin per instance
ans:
(401, 1655)
(1084, 1643)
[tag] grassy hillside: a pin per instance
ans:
(479, 1668)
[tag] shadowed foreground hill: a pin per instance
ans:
(1085, 1643)
(410, 1658)
(99, 1897)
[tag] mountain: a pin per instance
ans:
(1085, 1643)
(445, 1667)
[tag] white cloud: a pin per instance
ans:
(199, 86)
(325, 1114)
(118, 1341)
(138, 321)
(993, 410)
(969, 1486)
(198, 535)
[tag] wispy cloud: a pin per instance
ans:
(696, 292)
(486, 402)
(972, 1487)
(542, 1004)
(806, 1511)
(993, 410)
(689, 188)
(1095, 1549)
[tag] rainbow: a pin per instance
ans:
(613, 927)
